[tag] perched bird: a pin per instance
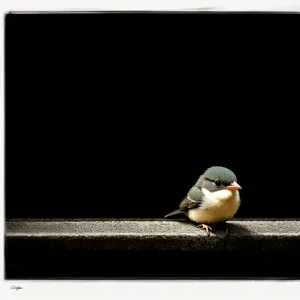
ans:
(214, 198)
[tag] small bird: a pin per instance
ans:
(214, 198)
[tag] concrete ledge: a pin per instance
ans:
(150, 249)
(154, 234)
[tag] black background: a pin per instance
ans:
(117, 115)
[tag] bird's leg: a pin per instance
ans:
(204, 226)
(227, 228)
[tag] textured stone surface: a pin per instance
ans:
(156, 234)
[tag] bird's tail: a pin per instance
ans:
(173, 213)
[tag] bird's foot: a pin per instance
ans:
(204, 226)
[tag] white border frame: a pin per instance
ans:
(142, 290)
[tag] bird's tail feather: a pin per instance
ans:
(173, 213)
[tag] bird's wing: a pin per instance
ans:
(193, 199)
(187, 204)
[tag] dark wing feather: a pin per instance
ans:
(196, 195)
(187, 204)
(184, 205)
(193, 199)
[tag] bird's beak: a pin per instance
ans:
(233, 186)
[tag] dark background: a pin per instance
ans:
(117, 115)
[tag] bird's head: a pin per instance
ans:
(218, 178)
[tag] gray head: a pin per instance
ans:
(218, 178)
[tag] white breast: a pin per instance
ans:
(217, 207)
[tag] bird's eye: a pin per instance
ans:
(218, 182)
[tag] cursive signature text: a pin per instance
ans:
(16, 287)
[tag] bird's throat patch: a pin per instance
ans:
(223, 194)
